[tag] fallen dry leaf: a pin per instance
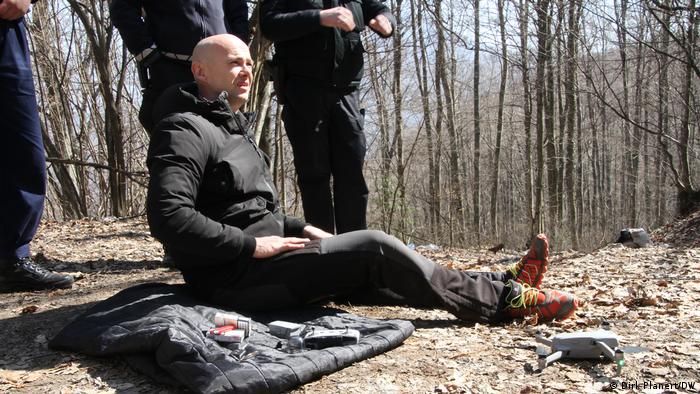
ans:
(29, 309)
(575, 376)
(658, 371)
(558, 386)
(649, 301)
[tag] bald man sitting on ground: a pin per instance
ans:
(212, 202)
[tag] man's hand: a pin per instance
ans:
(13, 9)
(273, 245)
(381, 25)
(339, 17)
(315, 233)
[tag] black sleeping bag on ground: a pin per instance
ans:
(160, 330)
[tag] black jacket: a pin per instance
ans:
(305, 48)
(176, 26)
(210, 191)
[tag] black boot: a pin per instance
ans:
(24, 274)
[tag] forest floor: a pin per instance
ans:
(650, 297)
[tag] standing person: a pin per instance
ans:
(22, 160)
(212, 202)
(162, 34)
(319, 62)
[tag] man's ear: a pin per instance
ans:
(198, 71)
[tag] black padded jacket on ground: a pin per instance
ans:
(305, 48)
(210, 193)
(176, 26)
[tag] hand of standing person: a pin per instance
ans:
(381, 25)
(13, 9)
(339, 17)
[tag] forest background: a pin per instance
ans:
(486, 121)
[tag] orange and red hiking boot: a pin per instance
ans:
(531, 268)
(547, 304)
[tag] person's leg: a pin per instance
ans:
(22, 167)
(348, 262)
(369, 295)
(22, 159)
(305, 117)
(348, 148)
(148, 102)
(163, 73)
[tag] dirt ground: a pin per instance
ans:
(650, 297)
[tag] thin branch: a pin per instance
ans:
(130, 174)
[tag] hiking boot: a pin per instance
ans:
(24, 274)
(531, 268)
(524, 301)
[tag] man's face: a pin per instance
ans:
(230, 70)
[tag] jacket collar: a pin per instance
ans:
(185, 98)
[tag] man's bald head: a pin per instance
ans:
(208, 47)
(223, 63)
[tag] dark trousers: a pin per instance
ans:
(22, 159)
(360, 261)
(325, 129)
(163, 74)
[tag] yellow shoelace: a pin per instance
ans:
(526, 298)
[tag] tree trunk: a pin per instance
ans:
(420, 60)
(570, 109)
(549, 137)
(456, 205)
(476, 192)
(100, 35)
(543, 23)
(523, 20)
(624, 173)
(688, 196)
(398, 122)
(52, 75)
(499, 123)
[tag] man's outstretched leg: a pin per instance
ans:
(348, 262)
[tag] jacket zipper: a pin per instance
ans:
(257, 150)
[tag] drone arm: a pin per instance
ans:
(607, 352)
(546, 341)
(546, 361)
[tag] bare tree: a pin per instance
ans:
(476, 192)
(499, 125)
(570, 109)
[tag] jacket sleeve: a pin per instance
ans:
(237, 17)
(126, 17)
(278, 23)
(178, 155)
(372, 8)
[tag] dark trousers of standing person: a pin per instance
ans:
(325, 129)
(22, 159)
(357, 261)
(163, 73)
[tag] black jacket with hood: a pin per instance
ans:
(304, 48)
(210, 192)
